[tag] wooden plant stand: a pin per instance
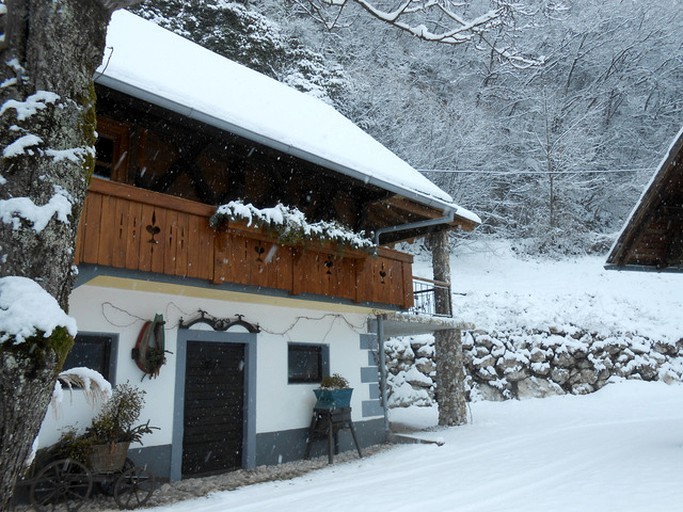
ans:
(326, 424)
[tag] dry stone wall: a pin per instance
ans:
(410, 371)
(514, 364)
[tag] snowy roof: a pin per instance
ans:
(148, 62)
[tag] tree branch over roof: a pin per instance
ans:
(436, 21)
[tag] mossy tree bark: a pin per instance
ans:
(48, 55)
(450, 363)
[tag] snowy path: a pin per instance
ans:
(620, 449)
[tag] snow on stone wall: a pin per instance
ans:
(410, 371)
(516, 364)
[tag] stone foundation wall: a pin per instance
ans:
(410, 371)
(514, 364)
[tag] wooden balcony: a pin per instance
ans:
(130, 228)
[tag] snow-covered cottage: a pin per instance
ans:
(289, 280)
(652, 239)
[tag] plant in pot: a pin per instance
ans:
(334, 393)
(114, 429)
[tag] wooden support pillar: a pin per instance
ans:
(450, 367)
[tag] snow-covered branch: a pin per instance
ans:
(26, 309)
(25, 109)
(435, 21)
(16, 209)
(94, 386)
(421, 18)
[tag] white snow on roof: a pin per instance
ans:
(151, 63)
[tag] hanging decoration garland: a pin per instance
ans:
(150, 352)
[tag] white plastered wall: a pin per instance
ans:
(120, 306)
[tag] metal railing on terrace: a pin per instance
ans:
(431, 297)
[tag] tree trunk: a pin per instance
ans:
(450, 365)
(48, 57)
(450, 378)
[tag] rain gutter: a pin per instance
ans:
(203, 117)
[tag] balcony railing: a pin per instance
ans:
(431, 298)
(135, 229)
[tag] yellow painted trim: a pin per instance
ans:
(227, 295)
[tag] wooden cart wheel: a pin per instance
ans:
(133, 488)
(108, 482)
(64, 481)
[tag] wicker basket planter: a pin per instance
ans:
(107, 458)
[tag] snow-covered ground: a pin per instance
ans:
(502, 291)
(619, 449)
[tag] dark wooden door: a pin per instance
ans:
(214, 408)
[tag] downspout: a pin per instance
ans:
(383, 372)
(448, 218)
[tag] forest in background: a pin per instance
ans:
(552, 157)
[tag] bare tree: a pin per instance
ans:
(440, 21)
(553, 154)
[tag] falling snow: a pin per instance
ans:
(236, 98)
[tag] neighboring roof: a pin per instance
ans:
(150, 63)
(652, 238)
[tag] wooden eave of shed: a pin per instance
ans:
(653, 237)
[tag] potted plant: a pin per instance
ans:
(114, 429)
(334, 393)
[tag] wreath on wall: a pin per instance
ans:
(150, 350)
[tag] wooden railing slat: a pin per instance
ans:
(120, 233)
(134, 237)
(169, 230)
(181, 242)
(91, 228)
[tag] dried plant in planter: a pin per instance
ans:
(334, 393)
(104, 444)
(114, 424)
(334, 381)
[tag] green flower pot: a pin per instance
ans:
(333, 398)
